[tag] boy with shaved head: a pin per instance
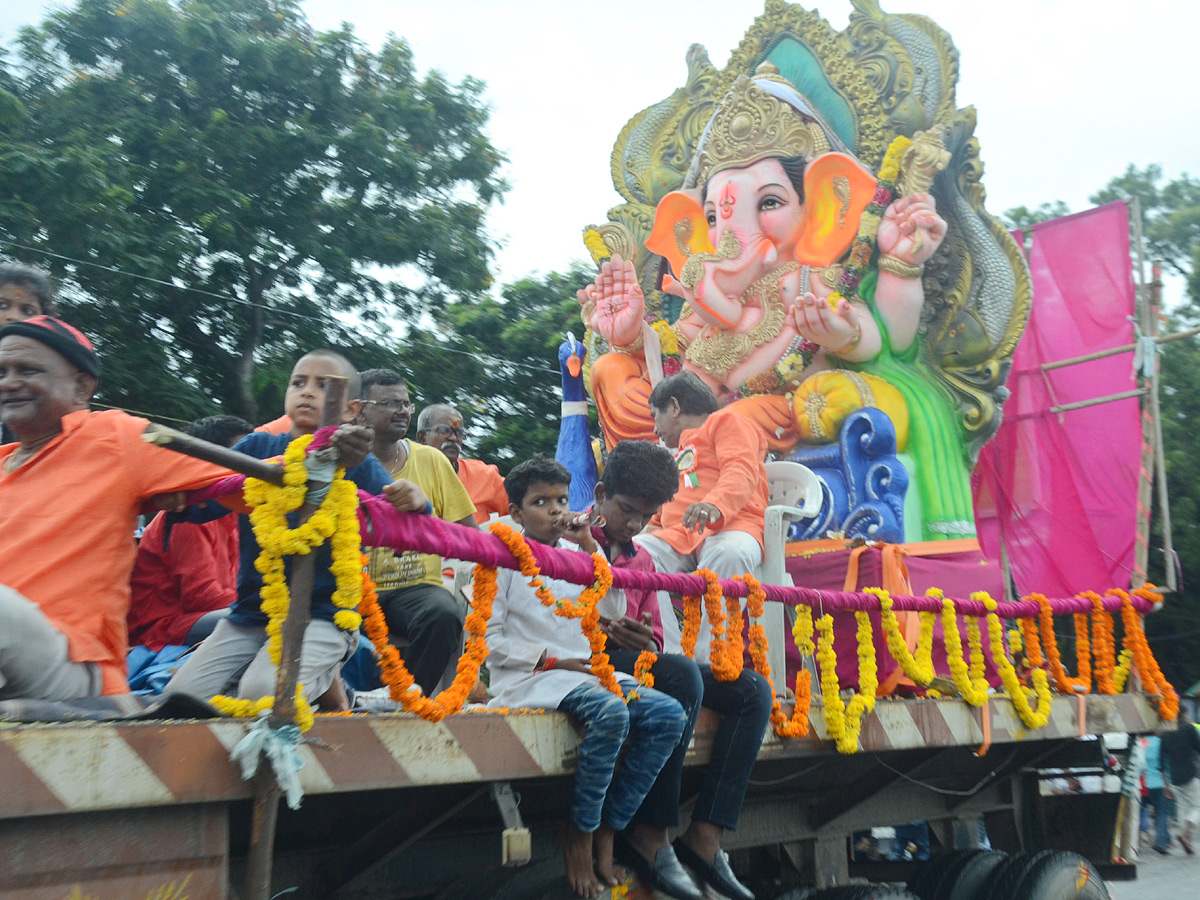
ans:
(236, 655)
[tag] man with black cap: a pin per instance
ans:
(71, 489)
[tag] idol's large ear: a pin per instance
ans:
(837, 188)
(680, 230)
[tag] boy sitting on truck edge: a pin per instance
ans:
(639, 477)
(542, 660)
(236, 653)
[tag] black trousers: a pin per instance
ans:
(428, 617)
(745, 708)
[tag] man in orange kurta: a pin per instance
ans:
(441, 426)
(716, 518)
(70, 493)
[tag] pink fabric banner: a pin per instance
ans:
(1060, 489)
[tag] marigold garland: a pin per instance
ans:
(843, 721)
(395, 674)
(1033, 642)
(802, 630)
(1147, 665)
(724, 657)
(919, 665)
(641, 671)
(1121, 675)
(335, 521)
(1014, 640)
(797, 725)
(1066, 684)
(865, 240)
(1033, 718)
(249, 709)
(1104, 649)
(691, 611)
(972, 690)
(585, 608)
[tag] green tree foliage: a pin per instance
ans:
(292, 180)
(497, 363)
(1023, 216)
(1171, 227)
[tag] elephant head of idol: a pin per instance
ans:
(771, 186)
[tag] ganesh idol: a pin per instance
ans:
(754, 247)
(778, 235)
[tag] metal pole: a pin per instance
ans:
(265, 810)
(1160, 465)
(1141, 547)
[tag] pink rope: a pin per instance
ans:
(383, 526)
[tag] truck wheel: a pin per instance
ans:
(927, 882)
(1008, 875)
(1061, 875)
(973, 878)
(850, 892)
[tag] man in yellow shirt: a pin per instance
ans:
(411, 595)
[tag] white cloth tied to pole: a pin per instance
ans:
(321, 466)
(1144, 351)
(280, 745)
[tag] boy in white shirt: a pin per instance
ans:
(542, 660)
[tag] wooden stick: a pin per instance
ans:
(1141, 546)
(1113, 351)
(1160, 464)
(171, 439)
(265, 810)
(1096, 401)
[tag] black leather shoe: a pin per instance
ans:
(715, 874)
(664, 874)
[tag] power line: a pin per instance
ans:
(142, 413)
(229, 298)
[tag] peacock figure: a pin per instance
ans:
(574, 440)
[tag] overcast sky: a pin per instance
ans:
(1068, 92)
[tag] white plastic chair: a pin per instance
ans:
(795, 494)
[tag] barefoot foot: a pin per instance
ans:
(577, 854)
(610, 873)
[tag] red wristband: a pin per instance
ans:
(550, 663)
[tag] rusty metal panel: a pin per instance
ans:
(172, 853)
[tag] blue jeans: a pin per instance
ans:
(656, 720)
(745, 708)
(1162, 816)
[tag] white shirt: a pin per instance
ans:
(522, 629)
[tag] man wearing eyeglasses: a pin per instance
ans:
(414, 602)
(441, 427)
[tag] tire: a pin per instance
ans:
(1008, 875)
(973, 878)
(927, 882)
(1060, 875)
(850, 892)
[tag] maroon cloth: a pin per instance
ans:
(174, 586)
(637, 600)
